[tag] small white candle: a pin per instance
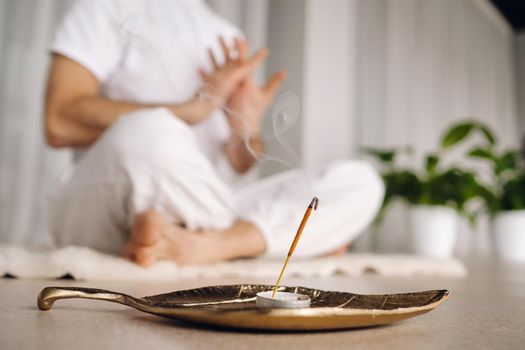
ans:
(282, 300)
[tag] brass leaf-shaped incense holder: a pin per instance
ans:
(234, 306)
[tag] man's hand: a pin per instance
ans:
(219, 84)
(245, 109)
(249, 101)
(247, 105)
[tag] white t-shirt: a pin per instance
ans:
(148, 51)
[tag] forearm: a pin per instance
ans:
(97, 112)
(76, 115)
(80, 122)
(242, 153)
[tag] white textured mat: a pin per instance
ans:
(86, 264)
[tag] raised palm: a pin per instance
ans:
(246, 106)
(230, 85)
(248, 103)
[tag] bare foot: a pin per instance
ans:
(153, 238)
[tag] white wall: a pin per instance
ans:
(520, 70)
(328, 90)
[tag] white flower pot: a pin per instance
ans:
(509, 235)
(433, 230)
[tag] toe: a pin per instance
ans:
(145, 229)
(144, 256)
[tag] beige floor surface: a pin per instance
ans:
(486, 310)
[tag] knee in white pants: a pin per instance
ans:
(358, 189)
(152, 135)
(167, 169)
(362, 176)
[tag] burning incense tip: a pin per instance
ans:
(313, 205)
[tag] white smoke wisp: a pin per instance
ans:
(285, 113)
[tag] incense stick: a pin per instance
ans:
(313, 205)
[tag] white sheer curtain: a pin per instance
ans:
(425, 64)
(28, 170)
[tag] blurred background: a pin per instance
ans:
(374, 73)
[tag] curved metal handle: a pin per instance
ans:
(49, 295)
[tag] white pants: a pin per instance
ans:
(149, 160)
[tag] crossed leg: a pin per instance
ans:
(146, 191)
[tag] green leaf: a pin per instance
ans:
(455, 188)
(456, 134)
(432, 162)
(386, 156)
(487, 133)
(513, 194)
(481, 153)
(402, 184)
(506, 162)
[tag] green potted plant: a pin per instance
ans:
(434, 195)
(504, 196)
